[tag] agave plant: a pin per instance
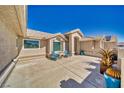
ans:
(106, 57)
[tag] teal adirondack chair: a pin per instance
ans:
(67, 53)
(82, 52)
(54, 56)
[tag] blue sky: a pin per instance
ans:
(92, 20)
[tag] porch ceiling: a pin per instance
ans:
(13, 17)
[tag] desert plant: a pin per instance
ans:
(113, 73)
(106, 61)
(112, 78)
(106, 57)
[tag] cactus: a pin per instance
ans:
(113, 73)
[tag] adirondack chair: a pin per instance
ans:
(82, 52)
(67, 53)
(54, 56)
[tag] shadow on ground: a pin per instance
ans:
(93, 80)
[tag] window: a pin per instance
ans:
(57, 46)
(28, 43)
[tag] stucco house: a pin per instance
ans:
(17, 41)
(73, 41)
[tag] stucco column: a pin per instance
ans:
(78, 46)
(51, 42)
(71, 44)
(50, 46)
(101, 44)
(63, 45)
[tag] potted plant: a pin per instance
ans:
(112, 78)
(106, 60)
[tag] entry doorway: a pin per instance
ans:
(76, 45)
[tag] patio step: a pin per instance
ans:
(30, 58)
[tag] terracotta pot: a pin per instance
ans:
(103, 68)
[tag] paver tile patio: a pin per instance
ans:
(74, 71)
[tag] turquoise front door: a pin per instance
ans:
(56, 46)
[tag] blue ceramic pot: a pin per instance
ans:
(112, 82)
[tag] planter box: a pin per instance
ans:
(112, 82)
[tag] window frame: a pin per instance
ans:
(61, 49)
(32, 40)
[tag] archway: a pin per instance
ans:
(76, 45)
(74, 38)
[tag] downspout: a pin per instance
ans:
(7, 71)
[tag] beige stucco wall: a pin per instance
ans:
(87, 45)
(110, 45)
(8, 49)
(121, 64)
(34, 51)
(9, 32)
(120, 52)
(98, 45)
(91, 47)
(19, 41)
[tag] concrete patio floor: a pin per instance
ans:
(76, 72)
